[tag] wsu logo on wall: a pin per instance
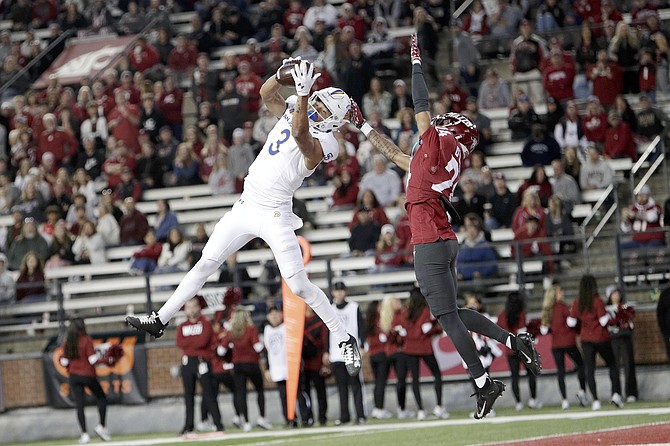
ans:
(83, 58)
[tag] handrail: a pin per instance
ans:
(650, 148)
(649, 173)
(596, 206)
(39, 57)
(601, 225)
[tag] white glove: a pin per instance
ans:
(287, 61)
(304, 78)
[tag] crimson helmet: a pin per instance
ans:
(463, 129)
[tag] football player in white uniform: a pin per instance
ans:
(294, 148)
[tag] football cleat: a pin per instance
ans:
(486, 396)
(526, 352)
(351, 355)
(151, 324)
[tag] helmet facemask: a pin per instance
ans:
(336, 101)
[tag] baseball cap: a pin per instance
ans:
(388, 229)
(551, 100)
(339, 286)
(498, 176)
(524, 98)
(238, 132)
(399, 83)
(645, 190)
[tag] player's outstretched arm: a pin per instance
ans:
(304, 78)
(384, 145)
(419, 90)
(270, 91)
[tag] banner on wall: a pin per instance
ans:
(123, 383)
(83, 58)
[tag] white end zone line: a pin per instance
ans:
(386, 427)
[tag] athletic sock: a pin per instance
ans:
(511, 342)
(481, 381)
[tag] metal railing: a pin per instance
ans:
(34, 61)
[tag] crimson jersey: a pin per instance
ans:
(561, 334)
(591, 330)
(81, 366)
(434, 170)
(196, 338)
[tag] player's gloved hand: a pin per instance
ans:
(414, 53)
(287, 61)
(304, 78)
(356, 117)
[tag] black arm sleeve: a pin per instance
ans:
(419, 90)
(361, 328)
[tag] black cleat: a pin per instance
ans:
(527, 353)
(486, 396)
(351, 355)
(151, 324)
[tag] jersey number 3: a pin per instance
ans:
(275, 150)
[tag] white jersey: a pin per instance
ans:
(279, 169)
(274, 339)
(349, 318)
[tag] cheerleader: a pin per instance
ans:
(555, 313)
(621, 328)
(390, 322)
(375, 343)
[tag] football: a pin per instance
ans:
(285, 77)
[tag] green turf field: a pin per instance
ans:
(458, 430)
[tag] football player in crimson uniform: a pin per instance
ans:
(433, 170)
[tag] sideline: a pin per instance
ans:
(343, 431)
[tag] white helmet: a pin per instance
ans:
(339, 105)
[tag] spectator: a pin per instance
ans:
(470, 201)
(647, 74)
(559, 224)
(145, 259)
(91, 159)
(133, 224)
(500, 208)
(569, 131)
(606, 77)
(346, 191)
(530, 205)
(175, 253)
(589, 309)
(571, 163)
(377, 100)
(595, 173)
(89, 246)
(242, 339)
(364, 234)
(198, 242)
(530, 241)
(389, 253)
(619, 141)
(493, 92)
(320, 10)
(133, 21)
(183, 58)
(663, 317)
(643, 221)
(455, 93)
(114, 165)
(293, 17)
(29, 241)
(467, 54)
(550, 17)
(539, 182)
(482, 122)
(170, 104)
(149, 167)
(627, 114)
(166, 148)
(240, 157)
(624, 51)
(369, 201)
(123, 122)
(31, 201)
(621, 328)
(57, 141)
(185, 167)
(401, 97)
(221, 180)
(166, 220)
(356, 72)
(565, 186)
(384, 182)
(7, 283)
(522, 118)
(95, 126)
(151, 120)
(128, 187)
(652, 122)
(303, 45)
(563, 341)
(107, 226)
(513, 319)
(527, 53)
(594, 123)
(163, 48)
(427, 39)
(100, 18)
(60, 252)
(476, 258)
(31, 284)
(558, 76)
(540, 148)
(247, 85)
